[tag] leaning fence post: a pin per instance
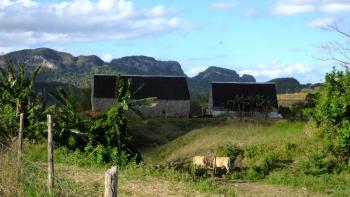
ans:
(111, 182)
(20, 136)
(50, 182)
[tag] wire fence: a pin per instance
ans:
(27, 178)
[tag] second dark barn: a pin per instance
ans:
(173, 98)
(220, 93)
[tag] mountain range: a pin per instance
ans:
(64, 68)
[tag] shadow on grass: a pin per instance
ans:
(159, 131)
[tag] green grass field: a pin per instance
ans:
(275, 138)
(169, 141)
(205, 140)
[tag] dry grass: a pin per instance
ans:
(27, 178)
(93, 179)
(8, 174)
(267, 190)
(287, 100)
(150, 186)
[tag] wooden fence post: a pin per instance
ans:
(111, 182)
(20, 136)
(50, 182)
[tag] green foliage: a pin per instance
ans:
(70, 127)
(229, 150)
(36, 124)
(98, 156)
(317, 163)
(8, 123)
(333, 112)
(16, 86)
(300, 111)
(105, 138)
(329, 184)
(17, 96)
(259, 161)
(242, 104)
(199, 105)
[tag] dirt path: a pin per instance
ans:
(93, 180)
(267, 190)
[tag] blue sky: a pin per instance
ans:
(266, 38)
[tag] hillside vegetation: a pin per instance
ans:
(280, 153)
(205, 140)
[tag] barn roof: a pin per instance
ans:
(143, 86)
(224, 91)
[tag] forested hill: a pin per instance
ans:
(290, 85)
(65, 68)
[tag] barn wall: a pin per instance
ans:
(210, 101)
(101, 104)
(164, 108)
(219, 112)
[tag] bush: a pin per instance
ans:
(231, 151)
(316, 163)
(8, 123)
(332, 114)
(99, 156)
(302, 111)
(259, 161)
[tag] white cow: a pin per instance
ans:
(220, 162)
(201, 161)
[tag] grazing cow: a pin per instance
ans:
(220, 162)
(201, 161)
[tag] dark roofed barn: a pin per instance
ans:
(173, 98)
(221, 92)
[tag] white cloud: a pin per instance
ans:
(24, 3)
(292, 7)
(34, 22)
(229, 5)
(194, 70)
(107, 57)
(4, 50)
(336, 7)
(323, 22)
(276, 69)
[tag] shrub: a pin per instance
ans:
(317, 163)
(8, 123)
(231, 151)
(333, 112)
(259, 161)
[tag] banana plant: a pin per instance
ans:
(70, 125)
(16, 86)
